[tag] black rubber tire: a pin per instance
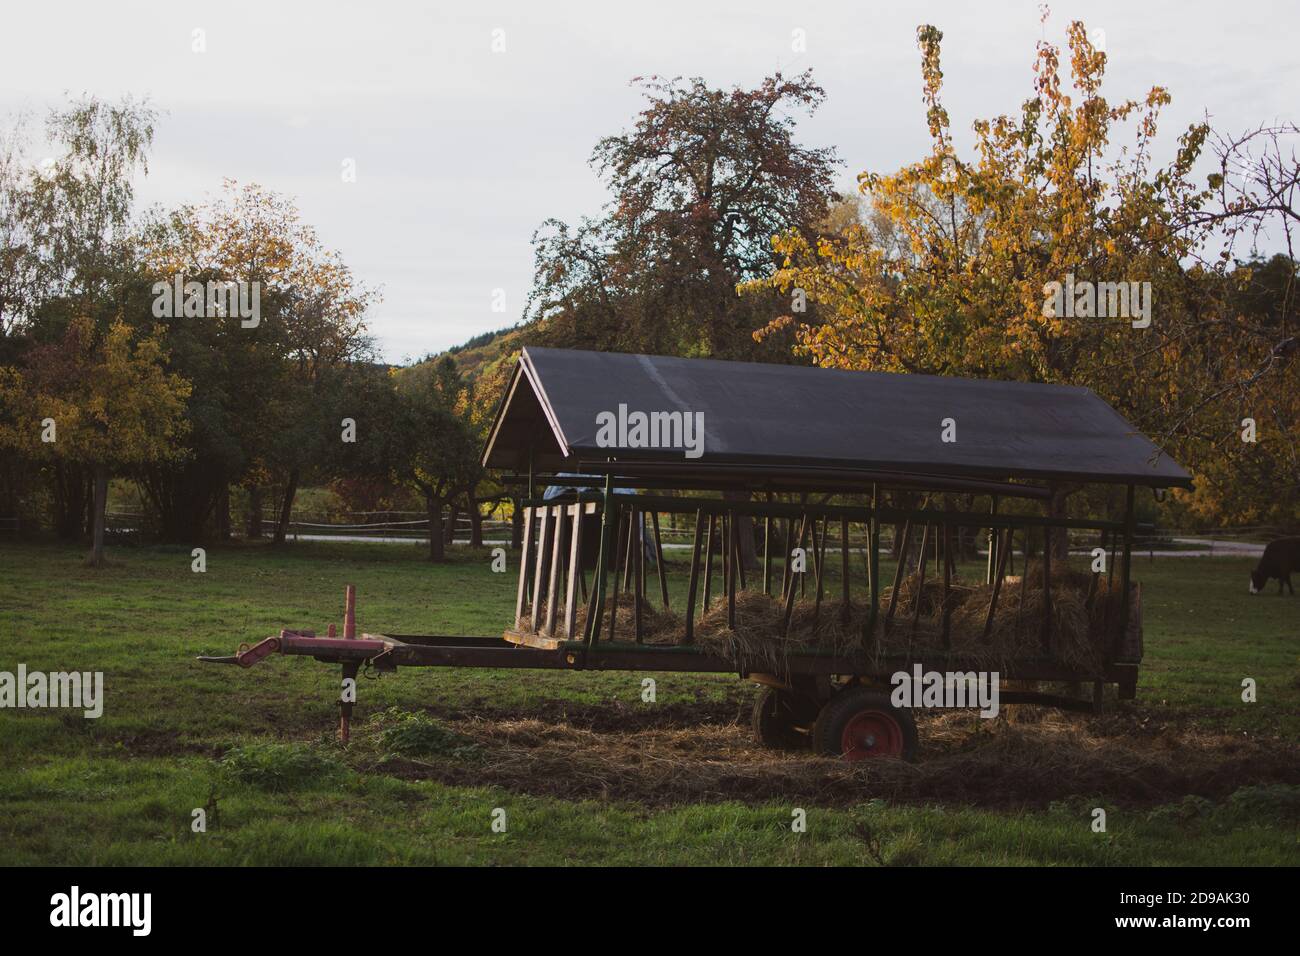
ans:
(776, 717)
(828, 732)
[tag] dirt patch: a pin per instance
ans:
(965, 761)
(609, 717)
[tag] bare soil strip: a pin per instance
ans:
(1030, 761)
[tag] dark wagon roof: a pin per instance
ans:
(796, 418)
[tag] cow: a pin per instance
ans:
(1279, 559)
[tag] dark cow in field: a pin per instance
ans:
(1279, 559)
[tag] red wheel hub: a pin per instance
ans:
(871, 733)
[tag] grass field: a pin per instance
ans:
(584, 770)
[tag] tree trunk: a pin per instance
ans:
(437, 548)
(183, 499)
(517, 525)
(72, 503)
(88, 518)
(100, 506)
(254, 512)
(286, 507)
(475, 525)
(449, 529)
(223, 513)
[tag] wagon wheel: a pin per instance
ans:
(858, 724)
(777, 716)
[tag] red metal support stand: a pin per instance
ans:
(350, 668)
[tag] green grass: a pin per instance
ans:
(255, 746)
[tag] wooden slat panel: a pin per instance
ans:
(543, 551)
(525, 558)
(694, 579)
(575, 571)
(557, 566)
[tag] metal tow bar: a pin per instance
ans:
(349, 650)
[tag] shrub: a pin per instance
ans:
(419, 735)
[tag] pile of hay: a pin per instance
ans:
(1080, 628)
(757, 641)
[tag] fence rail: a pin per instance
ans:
(678, 533)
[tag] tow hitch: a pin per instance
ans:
(348, 650)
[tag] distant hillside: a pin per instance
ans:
(484, 351)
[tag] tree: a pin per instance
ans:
(430, 446)
(267, 391)
(950, 272)
(1242, 413)
(482, 395)
(104, 403)
(65, 251)
(326, 335)
(700, 183)
(1237, 417)
(412, 430)
(79, 208)
(19, 259)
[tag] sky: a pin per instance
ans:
(461, 150)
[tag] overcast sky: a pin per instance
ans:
(461, 152)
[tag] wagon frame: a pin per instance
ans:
(560, 617)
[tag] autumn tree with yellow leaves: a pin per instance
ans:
(104, 403)
(957, 267)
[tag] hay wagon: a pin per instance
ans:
(752, 541)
